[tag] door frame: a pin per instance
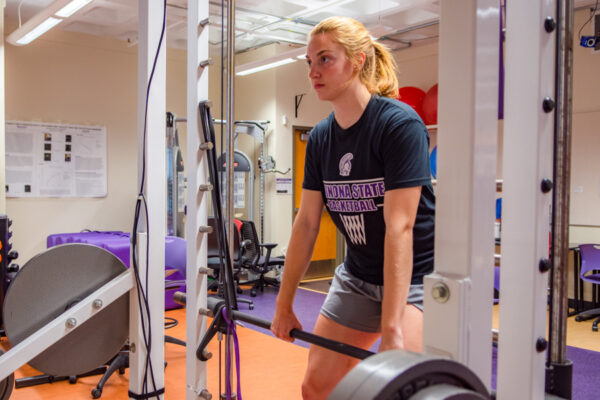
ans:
(340, 242)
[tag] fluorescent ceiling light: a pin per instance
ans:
(45, 20)
(72, 8)
(39, 30)
(266, 66)
(271, 62)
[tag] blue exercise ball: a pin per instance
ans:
(433, 162)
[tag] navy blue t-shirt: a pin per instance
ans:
(387, 148)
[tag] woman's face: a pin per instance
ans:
(330, 70)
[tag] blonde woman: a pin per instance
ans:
(368, 164)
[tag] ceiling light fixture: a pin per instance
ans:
(72, 8)
(45, 20)
(265, 66)
(271, 62)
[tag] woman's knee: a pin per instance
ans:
(325, 369)
(315, 387)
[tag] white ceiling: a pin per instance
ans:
(397, 23)
(258, 22)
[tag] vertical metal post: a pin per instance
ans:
(262, 191)
(196, 200)
(527, 173)
(458, 296)
(562, 160)
(151, 169)
(230, 152)
(230, 119)
(559, 371)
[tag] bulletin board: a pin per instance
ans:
(55, 160)
(585, 169)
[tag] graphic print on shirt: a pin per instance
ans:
(345, 164)
(355, 228)
(350, 200)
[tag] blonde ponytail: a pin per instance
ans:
(385, 77)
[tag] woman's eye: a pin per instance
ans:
(324, 59)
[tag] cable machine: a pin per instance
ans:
(175, 180)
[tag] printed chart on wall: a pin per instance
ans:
(55, 160)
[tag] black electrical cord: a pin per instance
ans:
(170, 322)
(143, 305)
(588, 21)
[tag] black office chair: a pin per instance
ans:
(253, 260)
(214, 260)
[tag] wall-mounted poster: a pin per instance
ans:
(55, 160)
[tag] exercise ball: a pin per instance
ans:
(433, 162)
(430, 106)
(413, 96)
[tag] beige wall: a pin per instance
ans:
(85, 80)
(585, 162)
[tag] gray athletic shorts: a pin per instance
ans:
(356, 304)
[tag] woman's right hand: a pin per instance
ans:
(283, 322)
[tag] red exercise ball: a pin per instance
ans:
(430, 106)
(413, 96)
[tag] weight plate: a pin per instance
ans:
(447, 392)
(398, 375)
(52, 282)
(6, 385)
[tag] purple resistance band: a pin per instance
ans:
(231, 331)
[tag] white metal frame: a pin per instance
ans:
(466, 187)
(55, 330)
(150, 17)
(151, 269)
(197, 200)
(526, 210)
(458, 299)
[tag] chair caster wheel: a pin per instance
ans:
(595, 328)
(251, 307)
(253, 293)
(72, 379)
(96, 393)
(578, 318)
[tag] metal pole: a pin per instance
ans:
(230, 118)
(262, 195)
(230, 74)
(562, 176)
(559, 369)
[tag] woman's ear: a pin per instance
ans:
(361, 57)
